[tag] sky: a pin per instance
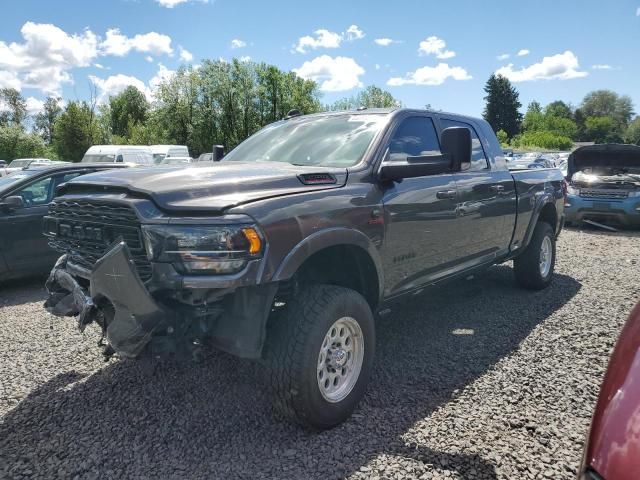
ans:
(423, 52)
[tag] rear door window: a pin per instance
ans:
(478, 157)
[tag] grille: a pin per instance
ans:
(612, 194)
(85, 218)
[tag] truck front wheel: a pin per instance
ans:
(320, 354)
(534, 267)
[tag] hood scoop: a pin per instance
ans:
(317, 179)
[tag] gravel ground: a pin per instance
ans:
(477, 379)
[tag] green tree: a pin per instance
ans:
(533, 119)
(44, 121)
(559, 109)
(129, 107)
(370, 97)
(602, 130)
(503, 138)
(14, 107)
(501, 110)
(75, 130)
(632, 135)
(16, 143)
(542, 139)
(605, 103)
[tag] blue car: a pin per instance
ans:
(604, 185)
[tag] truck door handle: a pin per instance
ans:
(443, 194)
(496, 188)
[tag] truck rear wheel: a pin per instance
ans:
(320, 354)
(534, 267)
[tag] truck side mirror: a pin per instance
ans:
(218, 153)
(11, 203)
(456, 142)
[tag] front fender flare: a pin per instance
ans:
(330, 237)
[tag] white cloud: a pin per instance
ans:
(435, 46)
(638, 12)
(100, 66)
(377, 66)
(174, 3)
(334, 74)
(354, 33)
(185, 55)
(601, 67)
(237, 43)
(430, 76)
(562, 66)
(323, 39)
(43, 59)
(115, 84)
(34, 106)
(523, 52)
(385, 42)
(503, 56)
(120, 45)
(327, 39)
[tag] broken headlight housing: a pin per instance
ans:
(571, 190)
(203, 249)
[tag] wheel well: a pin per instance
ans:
(347, 266)
(549, 215)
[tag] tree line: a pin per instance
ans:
(603, 116)
(224, 102)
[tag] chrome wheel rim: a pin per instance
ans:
(340, 359)
(546, 255)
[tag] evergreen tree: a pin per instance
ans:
(502, 106)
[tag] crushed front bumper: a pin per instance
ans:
(117, 300)
(625, 212)
(132, 318)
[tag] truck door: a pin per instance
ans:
(485, 200)
(419, 212)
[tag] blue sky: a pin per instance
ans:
(426, 52)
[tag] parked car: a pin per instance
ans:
(133, 154)
(286, 248)
(20, 163)
(176, 161)
(24, 199)
(612, 450)
(162, 151)
(3, 168)
(604, 184)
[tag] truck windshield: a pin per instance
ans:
(98, 158)
(332, 141)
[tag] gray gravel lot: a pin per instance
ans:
(477, 379)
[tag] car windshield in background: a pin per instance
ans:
(97, 158)
(20, 163)
(332, 141)
(158, 157)
(14, 178)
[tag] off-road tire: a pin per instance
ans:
(526, 266)
(294, 340)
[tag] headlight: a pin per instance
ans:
(573, 190)
(203, 249)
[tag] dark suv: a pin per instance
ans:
(287, 248)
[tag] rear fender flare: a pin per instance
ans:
(541, 201)
(330, 237)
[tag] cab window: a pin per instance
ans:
(37, 193)
(414, 136)
(478, 158)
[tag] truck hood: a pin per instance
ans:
(605, 156)
(215, 188)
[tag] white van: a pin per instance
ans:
(162, 151)
(138, 154)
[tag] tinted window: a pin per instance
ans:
(415, 136)
(478, 158)
(37, 193)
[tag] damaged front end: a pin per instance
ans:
(116, 299)
(133, 321)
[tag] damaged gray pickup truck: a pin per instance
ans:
(286, 249)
